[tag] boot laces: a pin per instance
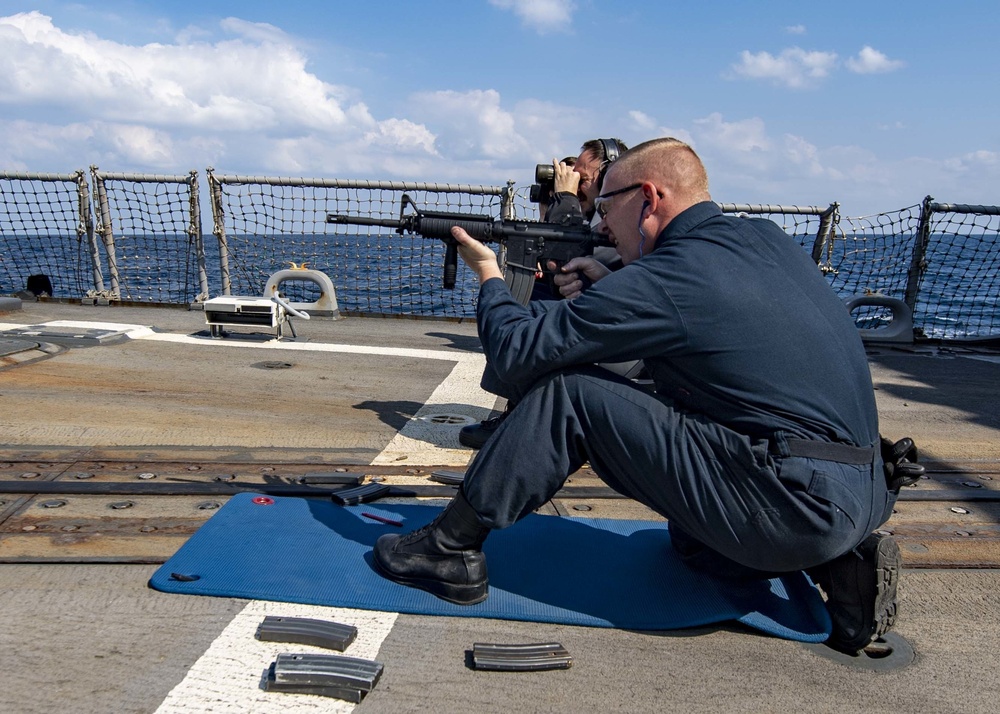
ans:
(493, 422)
(421, 532)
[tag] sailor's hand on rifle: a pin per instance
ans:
(477, 255)
(577, 274)
(566, 179)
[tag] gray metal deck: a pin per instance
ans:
(386, 397)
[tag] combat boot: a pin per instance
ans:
(444, 557)
(860, 587)
(475, 435)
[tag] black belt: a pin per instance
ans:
(828, 451)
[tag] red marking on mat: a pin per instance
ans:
(383, 519)
(263, 501)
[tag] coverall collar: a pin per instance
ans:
(687, 220)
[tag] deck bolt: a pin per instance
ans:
(884, 532)
(118, 505)
(29, 475)
(146, 475)
(129, 467)
(972, 484)
(208, 505)
(56, 503)
(964, 534)
(70, 528)
(147, 529)
(959, 509)
(83, 476)
(28, 528)
(582, 507)
(194, 468)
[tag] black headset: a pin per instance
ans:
(612, 150)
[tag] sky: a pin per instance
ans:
(871, 104)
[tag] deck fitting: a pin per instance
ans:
(888, 653)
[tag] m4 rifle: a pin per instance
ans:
(527, 246)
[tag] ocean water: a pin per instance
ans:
(402, 275)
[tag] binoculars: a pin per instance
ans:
(545, 182)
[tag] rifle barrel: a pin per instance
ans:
(363, 221)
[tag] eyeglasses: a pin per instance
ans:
(602, 202)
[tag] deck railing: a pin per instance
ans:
(942, 259)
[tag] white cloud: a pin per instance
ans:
(740, 137)
(641, 120)
(246, 100)
(871, 61)
(402, 134)
(140, 145)
(747, 164)
(256, 31)
(241, 97)
(542, 15)
(796, 29)
(235, 84)
(986, 158)
(472, 123)
(794, 67)
(683, 134)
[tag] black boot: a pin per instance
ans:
(860, 587)
(444, 557)
(475, 435)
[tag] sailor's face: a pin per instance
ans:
(620, 215)
(589, 168)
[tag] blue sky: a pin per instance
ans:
(872, 104)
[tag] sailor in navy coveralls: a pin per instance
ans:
(760, 444)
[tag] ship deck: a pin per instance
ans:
(105, 405)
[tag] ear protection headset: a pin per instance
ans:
(612, 150)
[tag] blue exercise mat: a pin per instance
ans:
(594, 572)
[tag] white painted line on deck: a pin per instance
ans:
(133, 331)
(228, 676)
(143, 332)
(312, 347)
(421, 441)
